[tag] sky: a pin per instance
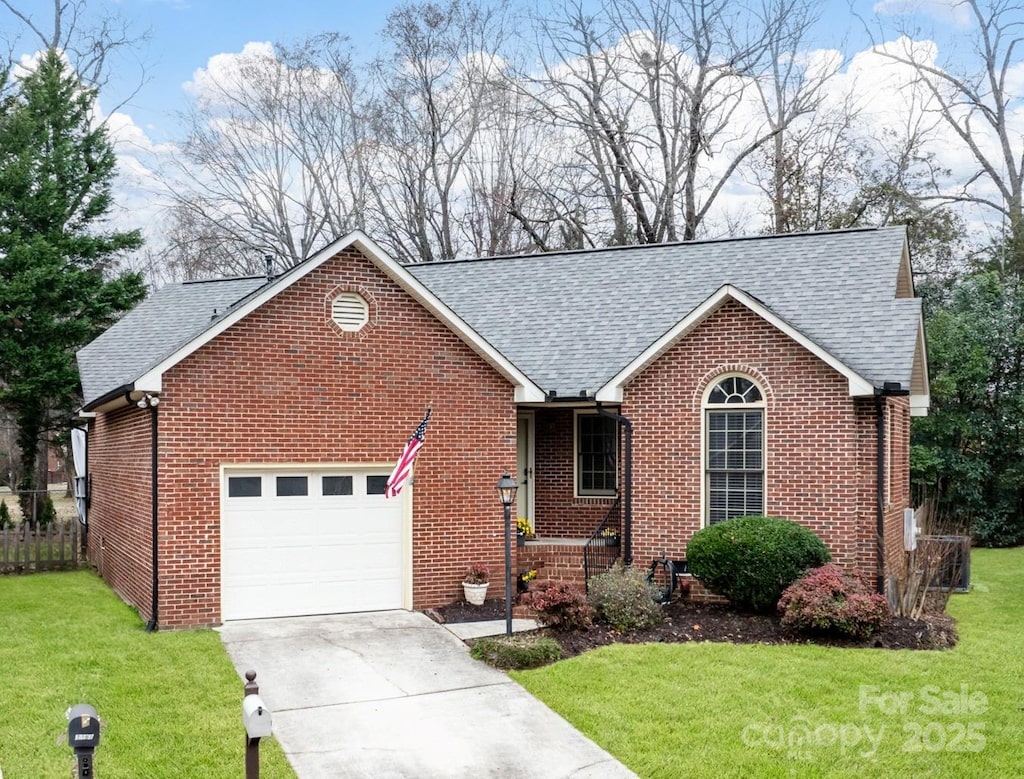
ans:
(185, 35)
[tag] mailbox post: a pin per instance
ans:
(256, 718)
(83, 736)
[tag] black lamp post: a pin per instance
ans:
(507, 494)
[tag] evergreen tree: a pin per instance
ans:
(968, 453)
(57, 288)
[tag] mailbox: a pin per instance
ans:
(255, 717)
(83, 736)
(83, 727)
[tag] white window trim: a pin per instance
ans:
(705, 406)
(594, 495)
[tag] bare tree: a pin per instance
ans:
(661, 94)
(275, 161)
(439, 96)
(89, 40)
(978, 101)
(792, 93)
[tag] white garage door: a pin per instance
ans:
(316, 542)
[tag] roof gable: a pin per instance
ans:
(573, 321)
(148, 377)
(612, 391)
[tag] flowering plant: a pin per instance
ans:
(610, 532)
(528, 576)
(523, 527)
(477, 574)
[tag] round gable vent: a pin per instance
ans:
(350, 311)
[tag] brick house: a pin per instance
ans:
(249, 425)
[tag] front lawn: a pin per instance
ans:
(170, 703)
(772, 711)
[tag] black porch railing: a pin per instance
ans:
(602, 548)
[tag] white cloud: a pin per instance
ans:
(953, 12)
(226, 68)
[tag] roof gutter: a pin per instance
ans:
(888, 389)
(118, 397)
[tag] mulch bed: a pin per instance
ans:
(694, 621)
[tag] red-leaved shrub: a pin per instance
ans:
(559, 605)
(829, 600)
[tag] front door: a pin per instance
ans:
(524, 465)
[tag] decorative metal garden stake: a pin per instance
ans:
(507, 493)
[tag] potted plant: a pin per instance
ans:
(610, 536)
(524, 579)
(475, 584)
(523, 530)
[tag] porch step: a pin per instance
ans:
(559, 560)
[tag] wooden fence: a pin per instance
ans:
(27, 550)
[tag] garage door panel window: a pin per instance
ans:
(336, 485)
(292, 486)
(376, 485)
(245, 487)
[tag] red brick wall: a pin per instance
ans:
(897, 417)
(820, 443)
(557, 512)
(284, 385)
(120, 514)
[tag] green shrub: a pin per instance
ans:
(623, 598)
(49, 514)
(559, 605)
(828, 600)
(751, 560)
(518, 652)
(998, 530)
(5, 516)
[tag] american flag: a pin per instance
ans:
(403, 467)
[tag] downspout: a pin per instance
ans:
(151, 402)
(627, 487)
(888, 389)
(880, 490)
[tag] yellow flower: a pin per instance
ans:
(523, 527)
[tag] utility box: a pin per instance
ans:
(953, 556)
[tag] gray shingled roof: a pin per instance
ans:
(156, 328)
(572, 320)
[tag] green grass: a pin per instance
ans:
(773, 711)
(170, 702)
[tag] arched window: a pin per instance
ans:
(733, 450)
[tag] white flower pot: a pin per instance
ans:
(475, 593)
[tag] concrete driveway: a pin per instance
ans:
(393, 694)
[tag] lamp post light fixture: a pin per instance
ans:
(507, 488)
